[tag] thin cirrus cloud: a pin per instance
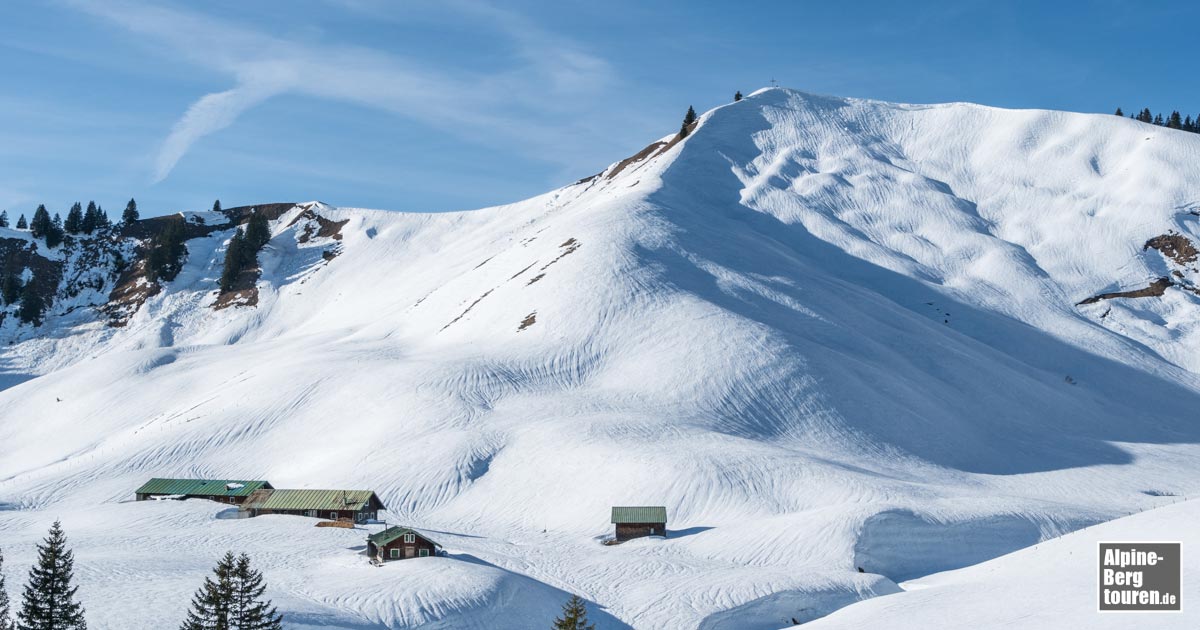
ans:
(211, 113)
(505, 107)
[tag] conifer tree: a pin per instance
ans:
(232, 600)
(217, 206)
(249, 611)
(74, 221)
(737, 96)
(1120, 113)
(40, 223)
(211, 604)
(91, 218)
(1158, 120)
(22, 224)
(574, 616)
(32, 305)
(165, 259)
(3, 218)
(10, 290)
(54, 235)
(1174, 121)
(131, 213)
(258, 231)
(49, 600)
(688, 119)
(235, 255)
(6, 620)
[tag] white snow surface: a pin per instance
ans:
(1050, 585)
(826, 333)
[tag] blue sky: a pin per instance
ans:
(458, 104)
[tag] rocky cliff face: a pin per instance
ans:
(106, 275)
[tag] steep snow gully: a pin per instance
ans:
(841, 340)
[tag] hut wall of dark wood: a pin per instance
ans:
(400, 550)
(229, 500)
(361, 516)
(627, 531)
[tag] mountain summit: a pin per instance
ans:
(846, 343)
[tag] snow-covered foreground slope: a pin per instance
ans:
(1050, 586)
(825, 333)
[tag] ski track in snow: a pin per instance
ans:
(826, 333)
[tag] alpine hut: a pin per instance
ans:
(399, 543)
(639, 521)
(358, 506)
(235, 491)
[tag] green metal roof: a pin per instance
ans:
(310, 500)
(639, 514)
(202, 487)
(392, 533)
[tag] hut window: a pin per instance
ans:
(395, 553)
(424, 553)
(410, 538)
(333, 516)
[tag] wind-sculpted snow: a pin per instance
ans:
(825, 333)
(1050, 585)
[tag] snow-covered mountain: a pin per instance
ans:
(828, 334)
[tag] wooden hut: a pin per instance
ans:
(235, 491)
(399, 543)
(638, 521)
(358, 506)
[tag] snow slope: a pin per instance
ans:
(825, 333)
(1052, 585)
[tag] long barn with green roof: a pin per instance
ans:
(235, 491)
(359, 506)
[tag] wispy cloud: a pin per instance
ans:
(211, 113)
(540, 82)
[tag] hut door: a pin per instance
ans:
(410, 552)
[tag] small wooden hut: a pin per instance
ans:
(399, 543)
(638, 521)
